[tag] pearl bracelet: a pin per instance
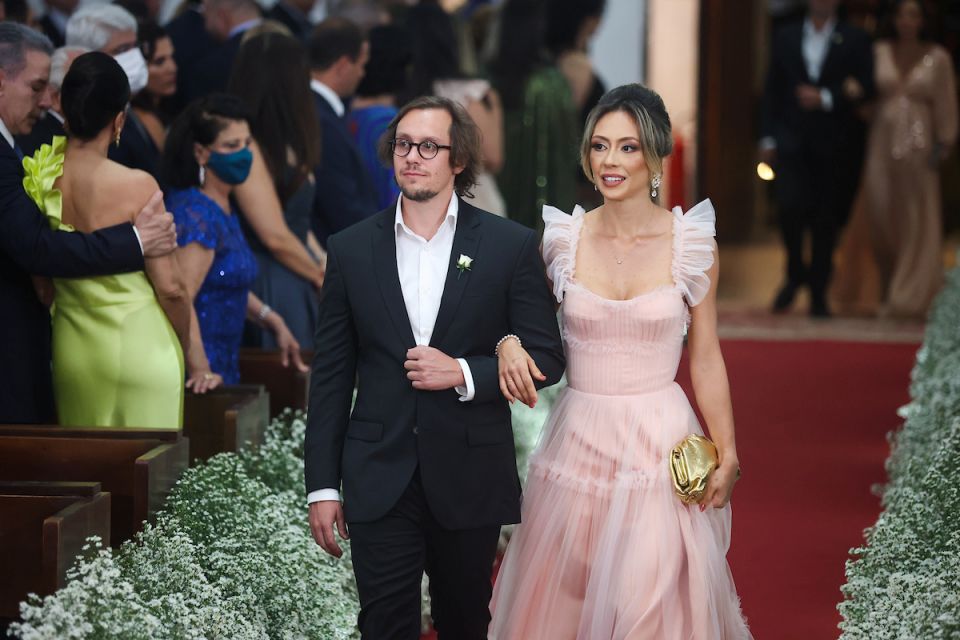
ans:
(496, 349)
(263, 313)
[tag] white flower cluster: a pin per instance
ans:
(902, 583)
(230, 557)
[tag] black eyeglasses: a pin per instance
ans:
(427, 149)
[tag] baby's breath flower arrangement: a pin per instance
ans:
(902, 583)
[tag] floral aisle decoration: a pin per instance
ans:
(230, 557)
(902, 582)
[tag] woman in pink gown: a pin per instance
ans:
(606, 550)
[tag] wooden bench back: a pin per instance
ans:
(225, 419)
(287, 386)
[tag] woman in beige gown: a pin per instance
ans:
(914, 127)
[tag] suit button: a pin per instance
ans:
(416, 430)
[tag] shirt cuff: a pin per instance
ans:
(466, 391)
(826, 99)
(323, 495)
(139, 241)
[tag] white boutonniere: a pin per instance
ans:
(464, 263)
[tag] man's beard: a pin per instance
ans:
(420, 195)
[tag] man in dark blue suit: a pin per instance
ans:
(345, 192)
(29, 247)
(821, 71)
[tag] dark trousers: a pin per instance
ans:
(390, 556)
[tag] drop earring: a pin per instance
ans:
(203, 175)
(116, 138)
(595, 187)
(655, 184)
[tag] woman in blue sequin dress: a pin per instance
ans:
(207, 154)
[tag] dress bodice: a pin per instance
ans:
(626, 347)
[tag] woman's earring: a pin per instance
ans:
(203, 175)
(655, 183)
(116, 137)
(595, 187)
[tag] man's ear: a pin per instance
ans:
(3, 81)
(458, 169)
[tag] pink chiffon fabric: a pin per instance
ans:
(605, 549)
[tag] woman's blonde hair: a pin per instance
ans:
(646, 107)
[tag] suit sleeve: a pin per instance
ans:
(533, 318)
(861, 70)
(28, 240)
(331, 380)
(343, 197)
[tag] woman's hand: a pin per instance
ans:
(720, 485)
(517, 370)
(201, 381)
(288, 345)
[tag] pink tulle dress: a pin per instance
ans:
(606, 550)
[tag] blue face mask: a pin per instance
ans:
(232, 168)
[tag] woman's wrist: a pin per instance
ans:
(504, 340)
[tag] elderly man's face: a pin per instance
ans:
(120, 42)
(24, 97)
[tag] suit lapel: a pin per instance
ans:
(388, 278)
(797, 48)
(833, 50)
(466, 239)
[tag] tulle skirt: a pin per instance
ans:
(605, 549)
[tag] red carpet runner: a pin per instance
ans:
(812, 419)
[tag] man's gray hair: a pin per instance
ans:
(15, 40)
(59, 62)
(92, 27)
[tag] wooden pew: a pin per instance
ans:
(225, 419)
(43, 527)
(137, 466)
(287, 386)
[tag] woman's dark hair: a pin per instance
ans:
(271, 76)
(149, 33)
(200, 123)
(93, 92)
(388, 68)
(888, 30)
(436, 52)
(464, 140)
(646, 108)
(565, 19)
(520, 52)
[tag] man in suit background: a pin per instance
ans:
(54, 22)
(821, 71)
(28, 245)
(346, 194)
(414, 303)
(51, 124)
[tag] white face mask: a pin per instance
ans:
(135, 66)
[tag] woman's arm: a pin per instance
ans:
(195, 261)
(261, 207)
(266, 317)
(488, 114)
(712, 390)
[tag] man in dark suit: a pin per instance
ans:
(345, 191)
(28, 245)
(54, 23)
(821, 71)
(416, 298)
(51, 124)
(225, 21)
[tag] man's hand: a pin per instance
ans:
(322, 516)
(432, 370)
(808, 97)
(158, 236)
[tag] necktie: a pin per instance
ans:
(17, 150)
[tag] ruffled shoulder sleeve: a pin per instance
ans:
(40, 172)
(561, 232)
(693, 250)
(197, 218)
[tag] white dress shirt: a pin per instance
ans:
(330, 96)
(422, 266)
(816, 45)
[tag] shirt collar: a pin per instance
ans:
(453, 210)
(59, 118)
(810, 30)
(329, 95)
(6, 134)
(244, 26)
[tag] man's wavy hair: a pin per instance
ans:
(464, 140)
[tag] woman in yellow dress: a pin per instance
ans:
(117, 358)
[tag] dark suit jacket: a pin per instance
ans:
(50, 30)
(137, 149)
(191, 43)
(345, 192)
(210, 72)
(29, 246)
(464, 450)
(42, 133)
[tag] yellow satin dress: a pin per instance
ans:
(116, 358)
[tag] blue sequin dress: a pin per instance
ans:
(221, 303)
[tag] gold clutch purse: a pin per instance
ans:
(691, 462)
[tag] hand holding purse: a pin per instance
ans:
(691, 463)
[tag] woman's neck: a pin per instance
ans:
(95, 146)
(217, 190)
(629, 218)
